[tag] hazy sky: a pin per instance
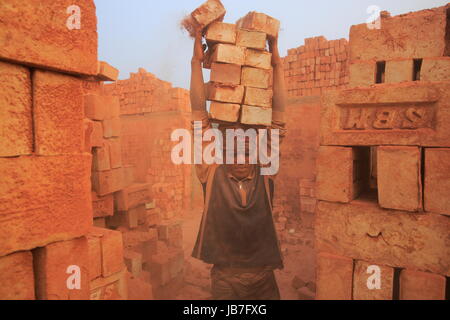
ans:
(146, 33)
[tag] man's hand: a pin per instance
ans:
(273, 48)
(199, 48)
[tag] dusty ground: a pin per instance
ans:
(296, 281)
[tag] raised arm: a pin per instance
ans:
(198, 96)
(279, 86)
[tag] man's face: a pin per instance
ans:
(241, 171)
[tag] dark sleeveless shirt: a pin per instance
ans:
(233, 235)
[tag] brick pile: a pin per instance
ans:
(316, 67)
(150, 109)
(241, 69)
(383, 167)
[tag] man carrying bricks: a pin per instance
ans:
(237, 233)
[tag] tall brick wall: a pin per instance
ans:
(380, 183)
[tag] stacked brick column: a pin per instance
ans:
(45, 161)
(383, 165)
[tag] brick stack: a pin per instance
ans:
(383, 168)
(241, 69)
(316, 67)
(44, 150)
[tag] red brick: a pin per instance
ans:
(129, 218)
(114, 287)
(102, 206)
(50, 196)
(16, 276)
(416, 285)
(97, 134)
(435, 69)
(58, 113)
(225, 111)
(257, 78)
(111, 128)
(106, 182)
(208, 12)
(221, 32)
(51, 266)
(251, 39)
(258, 97)
(362, 74)
(399, 70)
(227, 53)
(361, 290)
(16, 135)
(132, 196)
(256, 116)
(115, 149)
(106, 72)
(334, 276)
(112, 252)
(258, 59)
(437, 180)
(399, 178)
(260, 22)
(129, 175)
(224, 93)
(45, 39)
(94, 108)
(133, 261)
(95, 256)
(101, 160)
(226, 73)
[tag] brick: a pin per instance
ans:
(133, 261)
(362, 74)
(399, 71)
(437, 180)
(88, 128)
(16, 137)
(335, 174)
(256, 116)
(361, 277)
(258, 97)
(257, 78)
(334, 276)
(159, 269)
(221, 32)
(399, 114)
(399, 178)
(435, 69)
(132, 196)
(112, 252)
(115, 149)
(425, 37)
(58, 113)
(111, 128)
(127, 218)
(209, 12)
(100, 223)
(225, 111)
(129, 175)
(94, 107)
(114, 287)
(101, 160)
(50, 196)
(260, 22)
(102, 206)
(226, 73)
(46, 41)
(106, 72)
(224, 93)
(106, 182)
(227, 53)
(251, 39)
(95, 256)
(176, 261)
(51, 264)
(97, 134)
(416, 285)
(364, 231)
(258, 59)
(16, 276)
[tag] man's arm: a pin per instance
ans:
(279, 87)
(198, 96)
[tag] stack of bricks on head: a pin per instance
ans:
(240, 87)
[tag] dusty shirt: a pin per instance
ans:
(237, 228)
